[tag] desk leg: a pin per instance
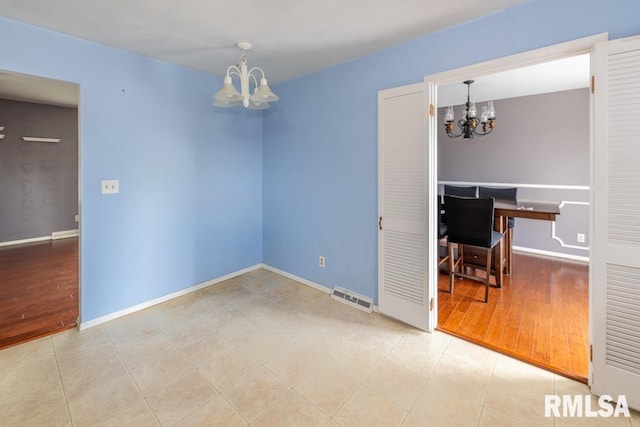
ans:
(501, 225)
(510, 249)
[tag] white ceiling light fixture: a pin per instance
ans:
(229, 96)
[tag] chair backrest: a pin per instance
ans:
(442, 227)
(510, 193)
(469, 220)
(454, 190)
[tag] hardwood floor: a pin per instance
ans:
(539, 316)
(38, 289)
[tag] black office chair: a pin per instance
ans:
(510, 194)
(470, 223)
(455, 190)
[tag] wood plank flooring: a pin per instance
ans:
(539, 316)
(38, 289)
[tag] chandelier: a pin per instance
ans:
(229, 96)
(470, 122)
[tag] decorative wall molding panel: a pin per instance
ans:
(554, 226)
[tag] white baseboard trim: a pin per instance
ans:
(309, 283)
(54, 236)
(23, 241)
(165, 298)
(551, 254)
(306, 282)
(64, 234)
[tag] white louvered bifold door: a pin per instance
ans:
(615, 258)
(403, 251)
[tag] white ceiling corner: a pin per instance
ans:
(290, 38)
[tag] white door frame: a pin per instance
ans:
(537, 56)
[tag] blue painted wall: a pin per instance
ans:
(320, 143)
(190, 205)
(206, 192)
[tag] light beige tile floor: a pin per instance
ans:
(263, 350)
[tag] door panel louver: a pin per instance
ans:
(623, 318)
(403, 266)
(403, 163)
(623, 149)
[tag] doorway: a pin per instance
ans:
(39, 189)
(479, 319)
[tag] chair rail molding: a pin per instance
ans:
(519, 185)
(558, 231)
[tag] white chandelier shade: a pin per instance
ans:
(229, 96)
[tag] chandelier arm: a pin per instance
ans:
(233, 70)
(257, 69)
(483, 132)
(462, 123)
(453, 135)
(255, 81)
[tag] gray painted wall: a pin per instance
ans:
(538, 140)
(38, 181)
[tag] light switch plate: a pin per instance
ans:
(110, 186)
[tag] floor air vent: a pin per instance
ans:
(351, 298)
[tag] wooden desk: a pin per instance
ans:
(503, 209)
(546, 211)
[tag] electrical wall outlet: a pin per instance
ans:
(110, 186)
(580, 238)
(321, 262)
(77, 218)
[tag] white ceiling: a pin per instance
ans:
(554, 76)
(290, 38)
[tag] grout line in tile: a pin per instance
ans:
(278, 400)
(64, 390)
(189, 413)
(126, 367)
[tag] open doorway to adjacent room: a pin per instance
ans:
(541, 145)
(39, 207)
